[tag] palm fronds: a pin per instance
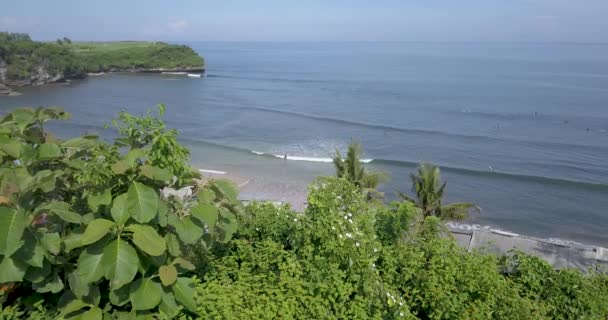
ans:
(428, 192)
(351, 169)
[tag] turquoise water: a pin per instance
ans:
(519, 129)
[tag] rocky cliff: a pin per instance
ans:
(24, 62)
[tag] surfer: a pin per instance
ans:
(285, 156)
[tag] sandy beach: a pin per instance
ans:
(254, 187)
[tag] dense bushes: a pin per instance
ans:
(343, 258)
(347, 258)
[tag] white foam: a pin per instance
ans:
(300, 158)
(176, 73)
(212, 171)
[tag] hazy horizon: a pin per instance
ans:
(475, 21)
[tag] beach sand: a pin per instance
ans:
(254, 187)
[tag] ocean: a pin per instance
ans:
(519, 129)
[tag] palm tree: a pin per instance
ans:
(428, 188)
(351, 169)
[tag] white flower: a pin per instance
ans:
(181, 194)
(333, 228)
(357, 244)
(350, 220)
(257, 229)
(340, 236)
(401, 303)
(345, 217)
(349, 235)
(350, 214)
(375, 250)
(295, 220)
(401, 314)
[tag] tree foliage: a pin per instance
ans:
(429, 191)
(351, 169)
(85, 223)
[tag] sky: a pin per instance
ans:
(310, 20)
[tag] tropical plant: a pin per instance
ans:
(429, 191)
(351, 169)
(83, 223)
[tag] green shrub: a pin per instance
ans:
(83, 225)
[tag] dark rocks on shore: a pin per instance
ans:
(6, 91)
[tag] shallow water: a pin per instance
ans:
(518, 129)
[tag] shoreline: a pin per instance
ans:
(560, 253)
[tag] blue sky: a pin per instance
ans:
(311, 20)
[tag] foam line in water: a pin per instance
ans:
(212, 171)
(300, 158)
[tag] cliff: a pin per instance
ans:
(24, 62)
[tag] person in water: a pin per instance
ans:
(285, 156)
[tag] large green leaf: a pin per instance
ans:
(120, 262)
(187, 230)
(227, 188)
(184, 292)
(47, 151)
(206, 196)
(147, 239)
(95, 231)
(120, 167)
(12, 270)
(163, 212)
(71, 306)
(12, 225)
(119, 211)
(205, 213)
(62, 210)
(134, 155)
(10, 147)
(35, 275)
(71, 241)
(32, 252)
(94, 313)
(119, 297)
(168, 305)
(167, 274)
(51, 242)
(155, 173)
(142, 202)
(145, 294)
(45, 180)
(179, 261)
(96, 200)
(78, 285)
(173, 245)
(52, 284)
(228, 224)
(90, 263)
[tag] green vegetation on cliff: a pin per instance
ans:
(27, 59)
(28, 62)
(129, 55)
(125, 230)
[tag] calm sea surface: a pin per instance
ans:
(518, 129)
